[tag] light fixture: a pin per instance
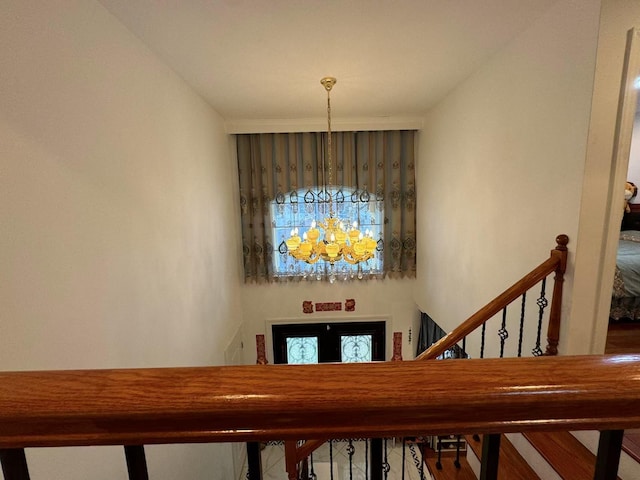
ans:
(329, 240)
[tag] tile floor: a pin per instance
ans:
(274, 468)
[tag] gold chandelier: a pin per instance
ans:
(335, 242)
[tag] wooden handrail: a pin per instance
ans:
(257, 403)
(557, 263)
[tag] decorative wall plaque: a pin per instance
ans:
(261, 353)
(307, 306)
(350, 305)
(328, 306)
(397, 347)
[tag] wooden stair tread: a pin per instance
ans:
(565, 453)
(449, 470)
(511, 465)
(631, 443)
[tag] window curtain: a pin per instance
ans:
(380, 163)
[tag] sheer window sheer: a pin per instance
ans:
(377, 164)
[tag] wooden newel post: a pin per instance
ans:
(553, 331)
(291, 459)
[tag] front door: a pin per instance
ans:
(329, 342)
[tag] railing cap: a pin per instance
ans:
(258, 402)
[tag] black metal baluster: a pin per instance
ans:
(522, 309)
(136, 462)
(350, 451)
(312, 474)
(404, 456)
(14, 464)
(502, 333)
(490, 456)
(254, 461)
(464, 347)
(376, 459)
(484, 329)
(456, 462)
(439, 449)
(385, 464)
(608, 458)
(366, 459)
(331, 458)
(542, 304)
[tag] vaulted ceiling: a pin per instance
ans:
(263, 59)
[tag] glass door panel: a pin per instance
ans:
(356, 348)
(302, 350)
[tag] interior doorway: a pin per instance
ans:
(623, 333)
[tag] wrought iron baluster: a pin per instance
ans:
(608, 459)
(502, 333)
(385, 464)
(542, 304)
(366, 459)
(439, 450)
(14, 464)
(456, 462)
(484, 329)
(464, 347)
(331, 459)
(350, 451)
(376, 459)
(404, 456)
(312, 473)
(490, 457)
(254, 461)
(419, 462)
(136, 462)
(522, 309)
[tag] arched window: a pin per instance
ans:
(297, 209)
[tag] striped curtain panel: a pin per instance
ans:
(381, 163)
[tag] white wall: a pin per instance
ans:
(115, 206)
(389, 300)
(601, 209)
(501, 165)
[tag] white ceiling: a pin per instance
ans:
(263, 59)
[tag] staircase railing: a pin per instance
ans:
(557, 262)
(258, 403)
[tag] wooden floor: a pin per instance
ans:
(624, 338)
(448, 470)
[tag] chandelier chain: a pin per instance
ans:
(329, 153)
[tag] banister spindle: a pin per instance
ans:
(456, 462)
(136, 462)
(542, 304)
(254, 461)
(14, 464)
(521, 333)
(404, 456)
(503, 333)
(608, 458)
(490, 456)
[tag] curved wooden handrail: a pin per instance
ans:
(557, 262)
(256, 403)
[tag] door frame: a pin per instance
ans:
(269, 322)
